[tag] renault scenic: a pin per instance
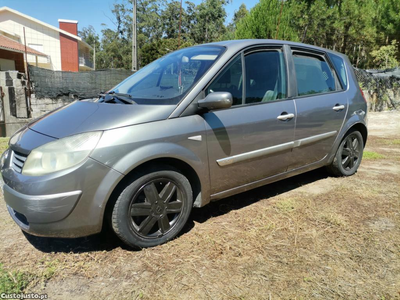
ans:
(194, 126)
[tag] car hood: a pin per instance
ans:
(84, 116)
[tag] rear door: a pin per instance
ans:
(321, 105)
(252, 139)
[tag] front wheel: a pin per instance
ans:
(152, 209)
(348, 155)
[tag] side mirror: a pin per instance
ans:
(216, 100)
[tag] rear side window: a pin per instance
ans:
(313, 74)
(338, 62)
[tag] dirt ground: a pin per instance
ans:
(308, 237)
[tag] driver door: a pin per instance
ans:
(251, 140)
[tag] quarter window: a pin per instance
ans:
(340, 69)
(230, 80)
(313, 74)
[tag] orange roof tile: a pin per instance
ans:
(9, 44)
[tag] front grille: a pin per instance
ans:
(18, 160)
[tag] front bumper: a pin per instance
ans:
(70, 203)
(40, 208)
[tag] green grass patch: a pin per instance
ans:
(393, 142)
(372, 155)
(3, 144)
(13, 281)
(286, 205)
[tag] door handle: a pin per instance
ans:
(338, 107)
(285, 117)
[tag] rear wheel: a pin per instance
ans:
(152, 209)
(348, 155)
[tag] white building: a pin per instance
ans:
(65, 50)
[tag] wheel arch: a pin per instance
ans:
(181, 166)
(362, 129)
(357, 125)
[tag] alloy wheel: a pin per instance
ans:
(351, 152)
(155, 208)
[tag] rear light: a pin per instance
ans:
(362, 93)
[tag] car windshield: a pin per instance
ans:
(168, 79)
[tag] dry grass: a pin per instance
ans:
(308, 237)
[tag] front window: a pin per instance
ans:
(265, 78)
(168, 79)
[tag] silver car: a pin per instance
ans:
(195, 126)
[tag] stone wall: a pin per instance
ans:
(42, 106)
(78, 85)
(14, 106)
(49, 90)
(16, 109)
(381, 88)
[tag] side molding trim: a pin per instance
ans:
(254, 154)
(273, 150)
(314, 139)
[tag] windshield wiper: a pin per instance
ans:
(112, 96)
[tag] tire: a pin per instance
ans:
(153, 209)
(348, 156)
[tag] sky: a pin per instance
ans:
(88, 12)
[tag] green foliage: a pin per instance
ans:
(353, 27)
(262, 21)
(364, 30)
(89, 35)
(157, 29)
(207, 23)
(388, 20)
(231, 28)
(13, 282)
(385, 56)
(160, 48)
(355, 32)
(171, 20)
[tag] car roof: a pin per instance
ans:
(236, 45)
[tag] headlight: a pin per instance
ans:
(61, 154)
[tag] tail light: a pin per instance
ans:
(362, 93)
